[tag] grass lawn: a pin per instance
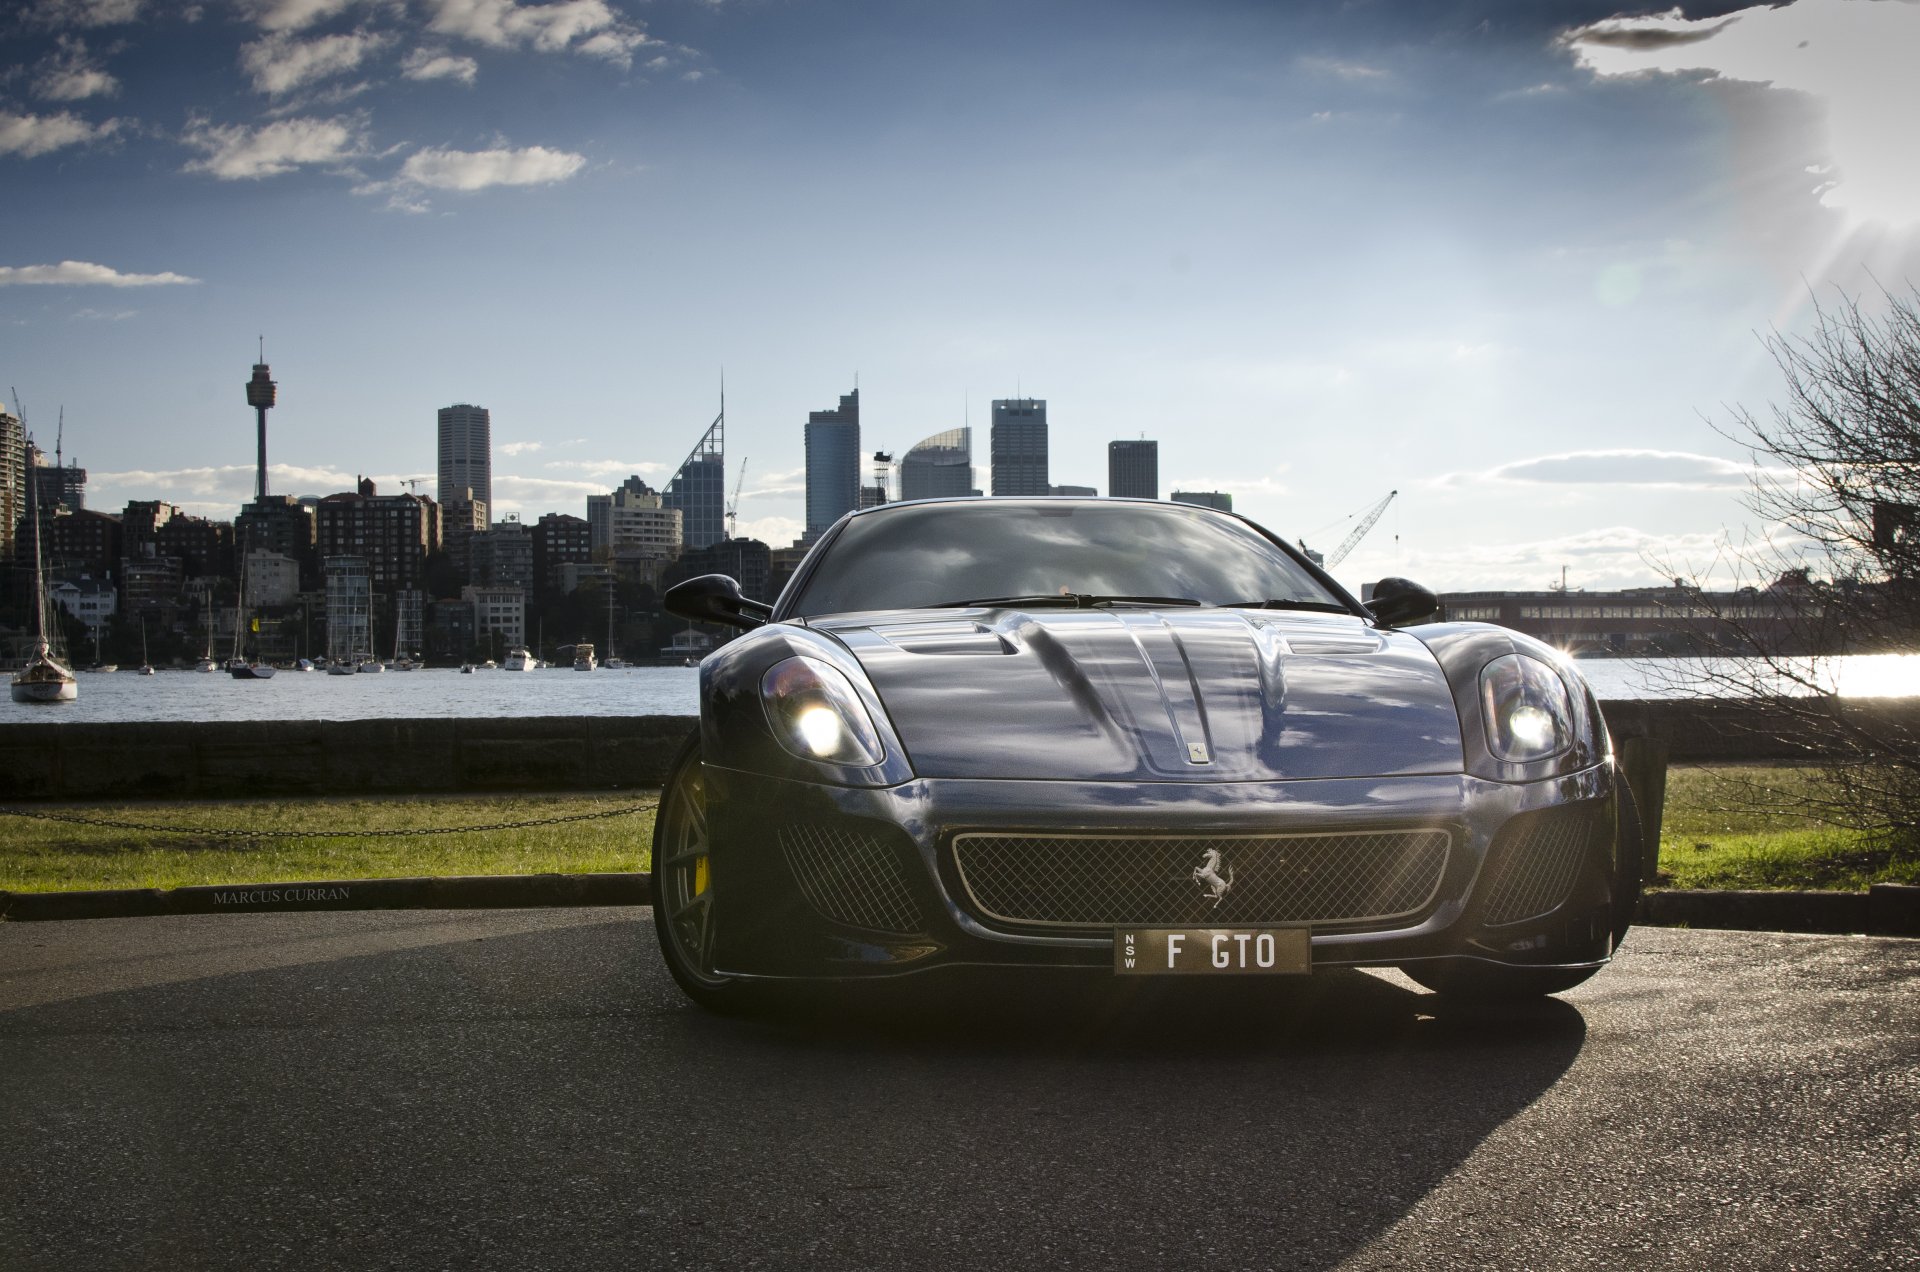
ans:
(1733, 826)
(1725, 827)
(47, 856)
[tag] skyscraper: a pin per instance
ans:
(939, 466)
(833, 464)
(699, 489)
(1133, 470)
(1019, 446)
(13, 480)
(466, 452)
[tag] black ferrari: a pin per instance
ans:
(1142, 738)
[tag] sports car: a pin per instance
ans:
(1135, 737)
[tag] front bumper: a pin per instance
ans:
(791, 908)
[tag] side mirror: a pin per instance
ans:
(715, 598)
(1396, 602)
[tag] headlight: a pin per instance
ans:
(817, 715)
(1526, 709)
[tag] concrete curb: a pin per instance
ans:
(459, 892)
(1886, 909)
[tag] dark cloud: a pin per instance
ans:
(1615, 34)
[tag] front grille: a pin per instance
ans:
(1535, 861)
(851, 876)
(1172, 881)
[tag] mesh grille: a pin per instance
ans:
(851, 876)
(1090, 881)
(1534, 868)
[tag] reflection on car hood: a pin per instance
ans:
(1203, 695)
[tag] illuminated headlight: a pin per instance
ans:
(817, 715)
(1526, 708)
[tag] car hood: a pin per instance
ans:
(1203, 695)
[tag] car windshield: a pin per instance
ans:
(1078, 551)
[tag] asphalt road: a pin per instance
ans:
(526, 1089)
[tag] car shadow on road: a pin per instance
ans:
(518, 1098)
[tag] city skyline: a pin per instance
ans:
(1515, 261)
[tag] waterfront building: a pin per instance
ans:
(699, 487)
(499, 615)
(204, 547)
(559, 539)
(939, 466)
(576, 574)
(502, 556)
(278, 523)
(450, 629)
(1018, 446)
(1085, 492)
(13, 481)
(1133, 469)
(833, 464)
(1217, 499)
(633, 524)
(781, 565)
(395, 533)
(89, 598)
(349, 608)
(272, 580)
(151, 583)
(83, 542)
(880, 489)
(466, 452)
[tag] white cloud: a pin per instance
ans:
(235, 152)
(775, 532)
(1239, 487)
(83, 274)
(615, 468)
(101, 315)
(1853, 57)
(215, 490)
(435, 64)
(1674, 469)
(294, 15)
(84, 13)
(72, 75)
(479, 169)
(280, 65)
(521, 448)
(1352, 72)
(519, 494)
(1599, 559)
(590, 27)
(31, 135)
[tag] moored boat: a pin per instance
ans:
(520, 659)
(44, 678)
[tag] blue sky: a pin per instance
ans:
(1512, 260)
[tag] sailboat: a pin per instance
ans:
(146, 668)
(44, 678)
(237, 666)
(612, 662)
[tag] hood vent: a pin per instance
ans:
(944, 638)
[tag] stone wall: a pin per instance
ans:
(231, 759)
(216, 760)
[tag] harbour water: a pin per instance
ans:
(107, 697)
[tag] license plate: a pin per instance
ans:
(1284, 951)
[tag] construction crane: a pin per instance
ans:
(733, 504)
(1359, 532)
(413, 483)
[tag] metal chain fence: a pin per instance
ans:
(225, 832)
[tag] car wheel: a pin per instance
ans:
(684, 913)
(1489, 982)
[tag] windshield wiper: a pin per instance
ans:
(1070, 600)
(1322, 607)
